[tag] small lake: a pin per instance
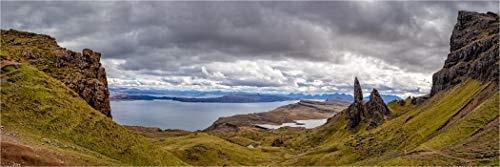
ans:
(167, 114)
(311, 123)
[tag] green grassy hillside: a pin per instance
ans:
(37, 50)
(447, 120)
(47, 123)
(456, 127)
(47, 116)
(40, 109)
(205, 149)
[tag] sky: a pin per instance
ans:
(268, 47)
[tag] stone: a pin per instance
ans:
(358, 94)
(46, 140)
(474, 50)
(81, 72)
(373, 112)
(356, 109)
(376, 109)
(354, 112)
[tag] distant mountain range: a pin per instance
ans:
(223, 97)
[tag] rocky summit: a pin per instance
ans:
(373, 112)
(81, 72)
(473, 51)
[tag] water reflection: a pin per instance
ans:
(310, 123)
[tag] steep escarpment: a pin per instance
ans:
(81, 72)
(473, 51)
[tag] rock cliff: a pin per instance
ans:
(82, 72)
(473, 51)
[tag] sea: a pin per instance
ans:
(168, 114)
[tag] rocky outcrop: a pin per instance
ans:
(90, 81)
(376, 109)
(358, 94)
(356, 109)
(81, 72)
(474, 50)
(373, 112)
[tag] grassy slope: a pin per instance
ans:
(447, 148)
(397, 109)
(36, 105)
(50, 110)
(200, 148)
(471, 124)
(19, 46)
(403, 135)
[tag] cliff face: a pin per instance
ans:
(81, 72)
(473, 51)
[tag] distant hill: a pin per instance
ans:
(236, 98)
(224, 97)
(301, 110)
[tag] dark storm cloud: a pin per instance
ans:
(176, 39)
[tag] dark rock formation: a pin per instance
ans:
(358, 94)
(81, 72)
(356, 109)
(376, 109)
(354, 113)
(474, 51)
(90, 81)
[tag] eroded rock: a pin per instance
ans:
(356, 109)
(474, 50)
(81, 72)
(376, 109)
(372, 112)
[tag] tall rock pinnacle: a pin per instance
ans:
(356, 109)
(358, 94)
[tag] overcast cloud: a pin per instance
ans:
(309, 47)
